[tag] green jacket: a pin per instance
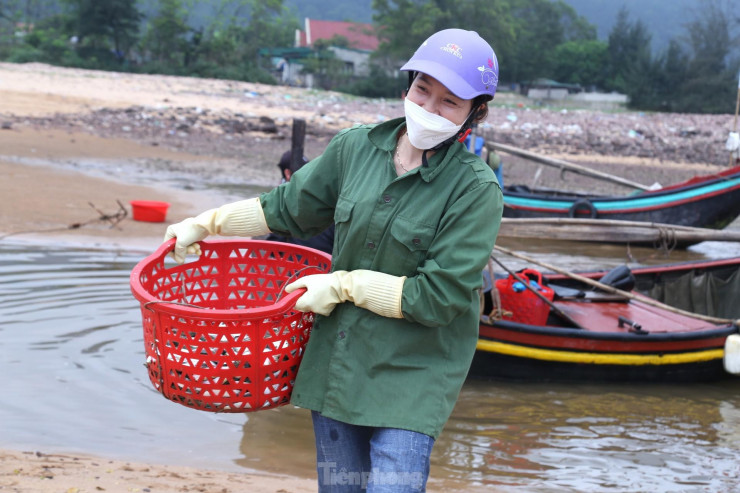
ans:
(435, 225)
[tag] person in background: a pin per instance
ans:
(491, 157)
(416, 216)
(284, 165)
(323, 241)
(732, 145)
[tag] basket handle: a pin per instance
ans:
(533, 273)
(282, 301)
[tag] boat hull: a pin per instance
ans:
(704, 202)
(510, 351)
(497, 366)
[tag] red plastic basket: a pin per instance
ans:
(149, 210)
(219, 336)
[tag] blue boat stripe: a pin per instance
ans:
(623, 203)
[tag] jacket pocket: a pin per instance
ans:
(342, 217)
(411, 241)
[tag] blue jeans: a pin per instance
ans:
(352, 458)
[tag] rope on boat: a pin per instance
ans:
(667, 240)
(497, 312)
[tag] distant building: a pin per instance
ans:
(288, 63)
(22, 29)
(548, 89)
(361, 37)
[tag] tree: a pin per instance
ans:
(710, 82)
(165, 38)
(110, 21)
(667, 77)
(229, 46)
(628, 53)
(540, 26)
(523, 33)
(581, 62)
(337, 40)
(691, 76)
(28, 11)
(402, 25)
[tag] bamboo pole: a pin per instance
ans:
(609, 231)
(559, 163)
(613, 290)
(737, 107)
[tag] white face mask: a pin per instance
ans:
(425, 129)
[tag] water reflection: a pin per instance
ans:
(73, 379)
(544, 437)
(71, 357)
(279, 440)
(593, 438)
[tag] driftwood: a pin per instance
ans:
(296, 144)
(611, 231)
(564, 165)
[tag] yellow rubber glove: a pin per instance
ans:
(243, 218)
(375, 291)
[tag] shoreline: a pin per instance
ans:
(50, 197)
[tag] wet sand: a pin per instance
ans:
(49, 198)
(38, 472)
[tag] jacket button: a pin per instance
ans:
(416, 241)
(341, 334)
(386, 198)
(370, 245)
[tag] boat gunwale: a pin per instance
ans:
(716, 331)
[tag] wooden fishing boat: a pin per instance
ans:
(599, 336)
(708, 201)
(636, 233)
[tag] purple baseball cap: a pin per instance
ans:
(461, 60)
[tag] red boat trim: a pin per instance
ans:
(699, 179)
(699, 265)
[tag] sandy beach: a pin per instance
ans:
(39, 472)
(77, 146)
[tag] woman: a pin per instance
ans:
(416, 218)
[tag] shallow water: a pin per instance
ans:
(72, 359)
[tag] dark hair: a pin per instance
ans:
(286, 160)
(481, 102)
